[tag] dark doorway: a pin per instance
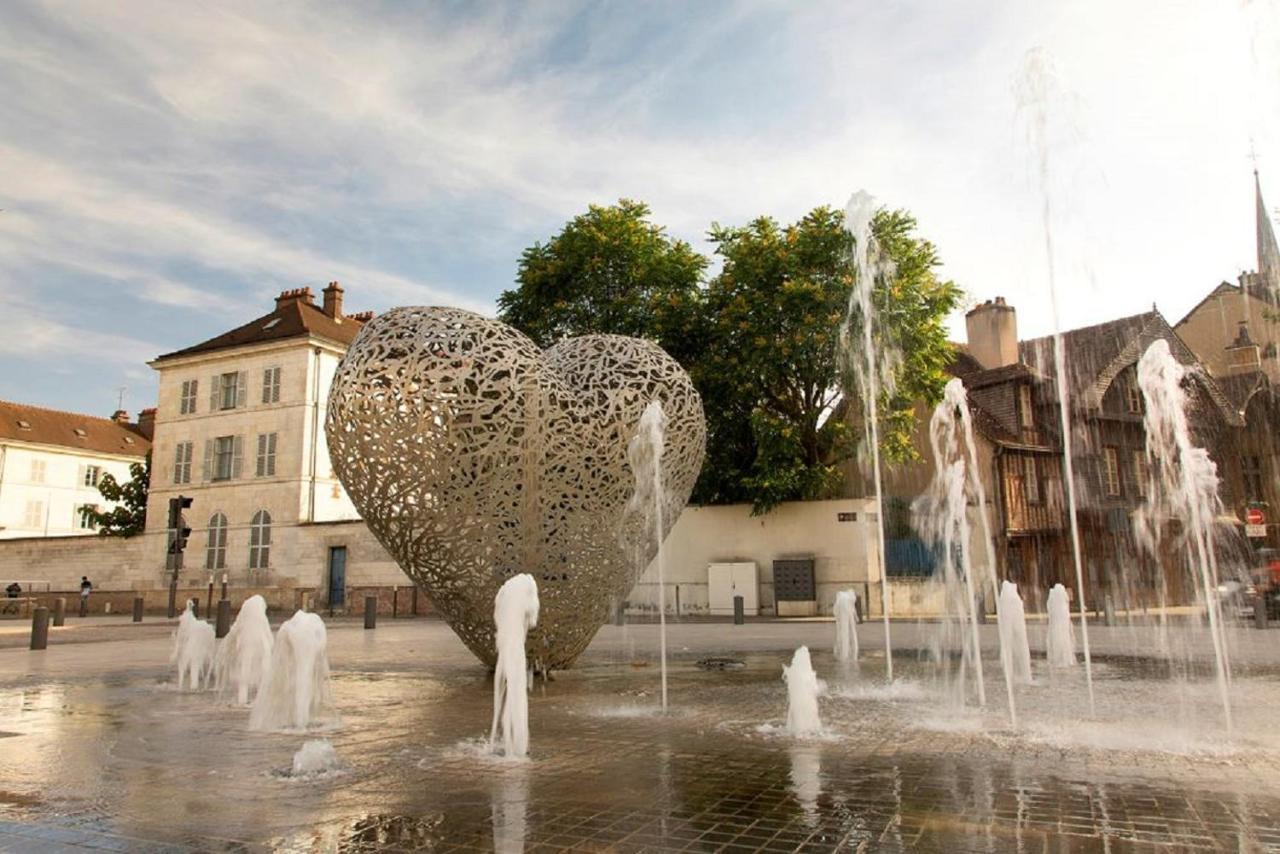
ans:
(337, 575)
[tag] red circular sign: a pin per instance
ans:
(1254, 516)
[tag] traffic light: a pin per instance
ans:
(179, 532)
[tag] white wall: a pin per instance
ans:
(51, 481)
(844, 553)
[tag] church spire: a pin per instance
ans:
(1268, 249)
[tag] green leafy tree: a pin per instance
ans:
(781, 424)
(130, 516)
(609, 270)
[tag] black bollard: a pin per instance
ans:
(395, 601)
(1260, 611)
(223, 624)
(414, 601)
(371, 612)
(195, 608)
(739, 611)
(40, 628)
(59, 610)
(137, 609)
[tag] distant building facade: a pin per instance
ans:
(239, 428)
(51, 463)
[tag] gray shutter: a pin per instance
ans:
(177, 463)
(271, 454)
(195, 394)
(262, 455)
(242, 389)
(208, 460)
(80, 473)
(237, 457)
(214, 403)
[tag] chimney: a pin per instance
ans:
(147, 423)
(120, 416)
(992, 330)
(295, 294)
(333, 301)
(1242, 354)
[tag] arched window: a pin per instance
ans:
(215, 555)
(260, 540)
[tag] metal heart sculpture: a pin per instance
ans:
(473, 456)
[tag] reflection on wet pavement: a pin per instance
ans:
(101, 751)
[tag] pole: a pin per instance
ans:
(223, 624)
(40, 628)
(395, 597)
(739, 611)
(208, 606)
(371, 612)
(224, 585)
(137, 609)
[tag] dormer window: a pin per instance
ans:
(1025, 416)
(1133, 396)
(79, 431)
(270, 323)
(24, 425)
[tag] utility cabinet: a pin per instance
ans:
(726, 580)
(795, 589)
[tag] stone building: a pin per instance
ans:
(1235, 332)
(51, 463)
(239, 428)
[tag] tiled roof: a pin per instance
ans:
(70, 430)
(292, 318)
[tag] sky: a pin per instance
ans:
(167, 168)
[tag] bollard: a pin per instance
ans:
(84, 606)
(371, 612)
(414, 600)
(195, 606)
(980, 608)
(395, 596)
(1260, 611)
(620, 614)
(739, 611)
(59, 610)
(40, 628)
(224, 619)
(137, 609)
(1108, 611)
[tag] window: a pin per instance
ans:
(260, 540)
(271, 385)
(224, 457)
(1024, 406)
(1032, 479)
(1251, 468)
(187, 404)
(35, 515)
(266, 454)
(91, 475)
(1111, 470)
(84, 519)
(37, 471)
(1132, 396)
(215, 556)
(182, 463)
(228, 391)
(1139, 473)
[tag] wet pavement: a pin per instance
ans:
(98, 750)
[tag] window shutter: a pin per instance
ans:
(242, 389)
(262, 454)
(237, 457)
(177, 463)
(271, 454)
(208, 460)
(80, 473)
(214, 403)
(195, 393)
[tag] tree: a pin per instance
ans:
(609, 270)
(779, 417)
(129, 517)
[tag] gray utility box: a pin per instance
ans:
(795, 592)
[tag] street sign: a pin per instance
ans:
(1253, 516)
(1255, 530)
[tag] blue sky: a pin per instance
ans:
(166, 168)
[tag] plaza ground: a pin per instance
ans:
(98, 750)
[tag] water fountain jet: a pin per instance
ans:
(846, 614)
(515, 611)
(803, 690)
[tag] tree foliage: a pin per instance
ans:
(609, 270)
(129, 517)
(761, 340)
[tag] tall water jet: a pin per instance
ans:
(296, 691)
(192, 650)
(1013, 633)
(244, 656)
(1036, 88)
(942, 515)
(515, 611)
(845, 611)
(1060, 646)
(1182, 486)
(644, 452)
(873, 361)
(803, 689)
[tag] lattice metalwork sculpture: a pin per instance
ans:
(473, 455)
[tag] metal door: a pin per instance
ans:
(337, 575)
